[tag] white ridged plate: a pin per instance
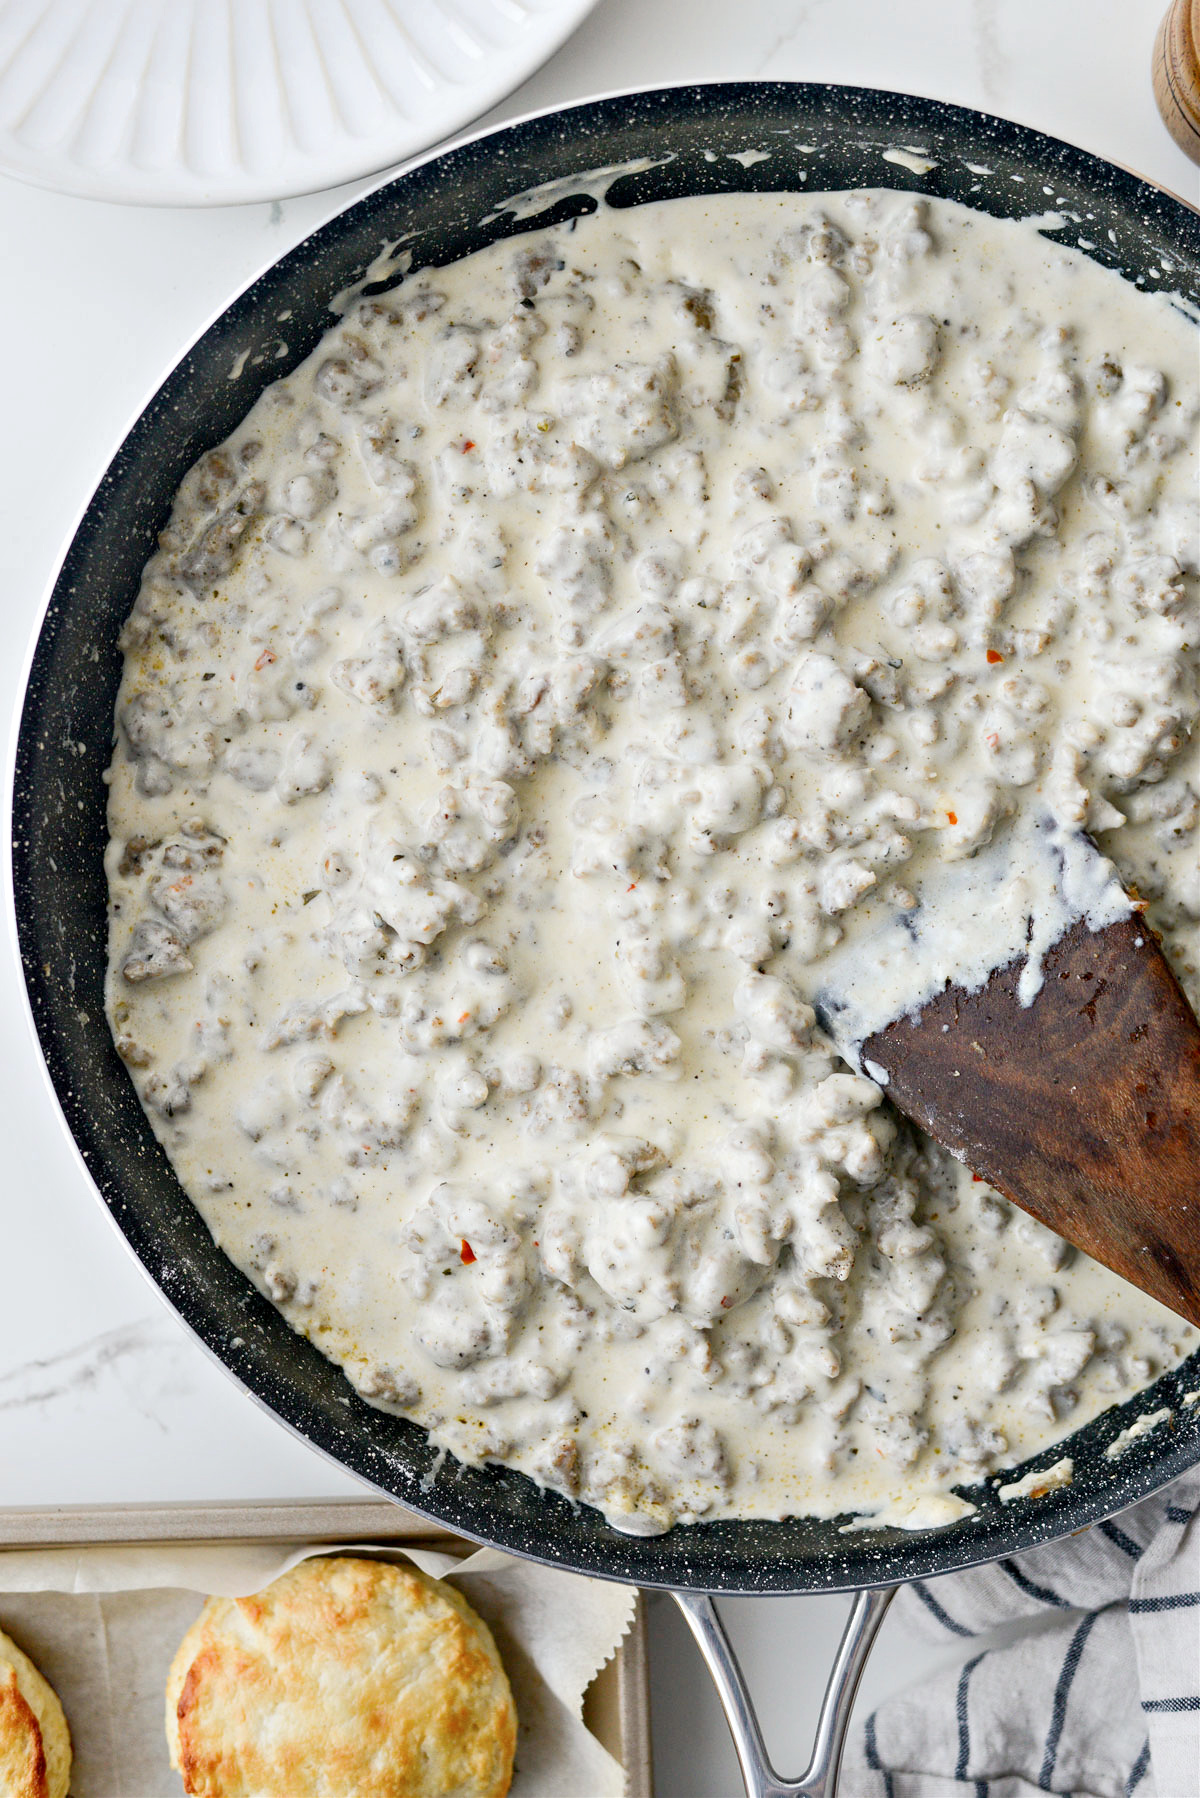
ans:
(206, 102)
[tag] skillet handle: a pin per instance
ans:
(820, 1777)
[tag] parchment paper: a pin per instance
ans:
(103, 1624)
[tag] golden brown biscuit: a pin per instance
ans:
(35, 1743)
(346, 1678)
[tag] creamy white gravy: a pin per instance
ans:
(551, 690)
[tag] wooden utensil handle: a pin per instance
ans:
(1176, 74)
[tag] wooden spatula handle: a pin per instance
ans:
(1083, 1108)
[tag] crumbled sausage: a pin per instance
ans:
(530, 710)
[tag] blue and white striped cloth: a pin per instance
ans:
(1098, 1695)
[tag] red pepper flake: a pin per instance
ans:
(992, 739)
(978, 1177)
(632, 887)
(468, 445)
(953, 817)
(725, 1304)
(264, 660)
(993, 655)
(466, 1253)
(464, 1017)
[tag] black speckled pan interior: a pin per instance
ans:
(815, 137)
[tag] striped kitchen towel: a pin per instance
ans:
(1095, 1691)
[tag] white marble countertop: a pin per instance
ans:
(103, 1397)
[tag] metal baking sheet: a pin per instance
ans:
(616, 1706)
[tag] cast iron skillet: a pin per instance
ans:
(444, 207)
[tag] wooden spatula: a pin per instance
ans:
(1083, 1107)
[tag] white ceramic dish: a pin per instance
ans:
(214, 102)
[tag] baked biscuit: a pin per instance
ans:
(346, 1678)
(35, 1743)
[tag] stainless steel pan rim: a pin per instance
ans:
(817, 136)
